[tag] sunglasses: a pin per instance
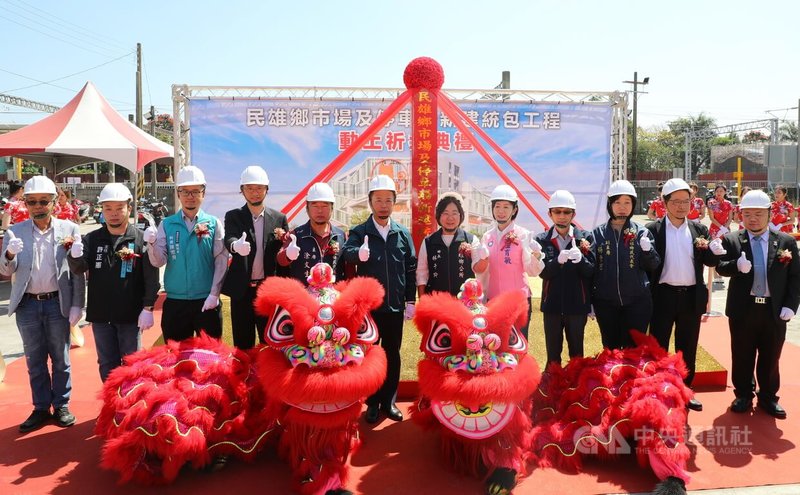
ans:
(41, 202)
(561, 212)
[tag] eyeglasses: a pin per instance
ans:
(682, 202)
(191, 194)
(41, 202)
(561, 212)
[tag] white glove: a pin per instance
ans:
(716, 247)
(150, 234)
(15, 244)
(75, 315)
(774, 228)
(645, 243)
(480, 252)
(591, 314)
(534, 245)
(210, 303)
(145, 320)
(363, 251)
(723, 230)
(76, 251)
(786, 314)
(563, 256)
(411, 309)
(293, 251)
(575, 255)
(241, 246)
(743, 264)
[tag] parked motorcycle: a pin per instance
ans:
(84, 207)
(98, 212)
(151, 212)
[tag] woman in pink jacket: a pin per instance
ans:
(507, 251)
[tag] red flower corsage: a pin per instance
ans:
(784, 256)
(465, 249)
(511, 238)
(584, 246)
(332, 249)
(201, 230)
(628, 235)
(66, 242)
(127, 254)
(701, 243)
(279, 233)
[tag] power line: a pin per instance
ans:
(45, 33)
(82, 30)
(68, 75)
(59, 87)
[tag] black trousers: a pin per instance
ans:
(617, 321)
(555, 327)
(390, 329)
(677, 306)
(182, 319)
(245, 324)
(756, 342)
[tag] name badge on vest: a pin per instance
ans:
(174, 245)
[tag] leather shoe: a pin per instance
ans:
(741, 405)
(694, 404)
(63, 417)
(372, 414)
(393, 413)
(773, 409)
(36, 420)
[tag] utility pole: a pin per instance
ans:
(634, 148)
(138, 85)
(154, 169)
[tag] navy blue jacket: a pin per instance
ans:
(310, 253)
(567, 288)
(392, 262)
(621, 267)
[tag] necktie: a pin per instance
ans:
(759, 269)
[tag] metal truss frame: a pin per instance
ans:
(183, 93)
(771, 124)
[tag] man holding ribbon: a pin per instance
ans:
(122, 284)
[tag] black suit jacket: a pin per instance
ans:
(238, 221)
(702, 257)
(783, 280)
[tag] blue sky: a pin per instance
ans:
(730, 59)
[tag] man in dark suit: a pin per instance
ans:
(679, 292)
(253, 235)
(763, 295)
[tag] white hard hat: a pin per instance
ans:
(673, 185)
(504, 192)
(755, 199)
(320, 192)
(191, 176)
(562, 199)
(621, 187)
(115, 191)
(39, 184)
(382, 183)
(254, 175)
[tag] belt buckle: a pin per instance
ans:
(760, 300)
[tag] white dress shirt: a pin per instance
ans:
(383, 231)
(678, 256)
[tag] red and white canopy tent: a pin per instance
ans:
(86, 130)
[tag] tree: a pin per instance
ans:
(755, 137)
(788, 131)
(701, 146)
(359, 217)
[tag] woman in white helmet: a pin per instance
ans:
(507, 251)
(624, 255)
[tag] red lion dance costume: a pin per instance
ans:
(317, 368)
(476, 382)
(184, 402)
(594, 406)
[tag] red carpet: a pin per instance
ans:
(398, 457)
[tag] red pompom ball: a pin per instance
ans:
(423, 73)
